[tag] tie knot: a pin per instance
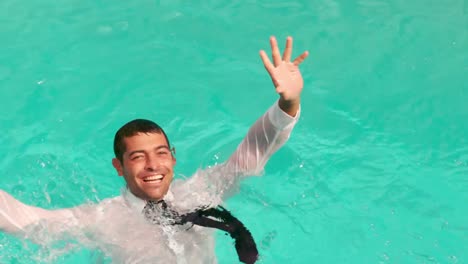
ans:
(158, 212)
(160, 203)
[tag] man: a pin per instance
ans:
(157, 219)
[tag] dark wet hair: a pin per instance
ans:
(131, 129)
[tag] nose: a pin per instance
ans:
(152, 163)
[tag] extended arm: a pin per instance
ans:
(264, 138)
(267, 134)
(15, 216)
(272, 130)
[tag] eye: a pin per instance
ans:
(137, 157)
(163, 152)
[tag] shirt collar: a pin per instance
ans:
(137, 203)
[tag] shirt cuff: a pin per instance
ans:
(280, 119)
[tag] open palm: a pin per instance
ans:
(284, 73)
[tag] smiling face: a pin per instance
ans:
(147, 165)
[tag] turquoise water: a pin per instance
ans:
(376, 170)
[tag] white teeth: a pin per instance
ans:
(153, 178)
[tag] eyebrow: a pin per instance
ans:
(142, 151)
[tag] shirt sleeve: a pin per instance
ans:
(264, 138)
(38, 224)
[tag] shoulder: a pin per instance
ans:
(197, 191)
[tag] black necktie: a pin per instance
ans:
(220, 218)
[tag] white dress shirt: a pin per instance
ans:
(116, 226)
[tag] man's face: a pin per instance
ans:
(148, 165)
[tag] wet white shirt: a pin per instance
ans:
(117, 227)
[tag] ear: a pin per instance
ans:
(118, 166)
(173, 153)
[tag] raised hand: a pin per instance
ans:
(285, 75)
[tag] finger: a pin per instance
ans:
(266, 61)
(300, 58)
(288, 50)
(275, 51)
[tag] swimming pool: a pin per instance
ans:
(375, 171)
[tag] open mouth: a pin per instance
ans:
(153, 178)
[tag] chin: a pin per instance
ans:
(157, 196)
